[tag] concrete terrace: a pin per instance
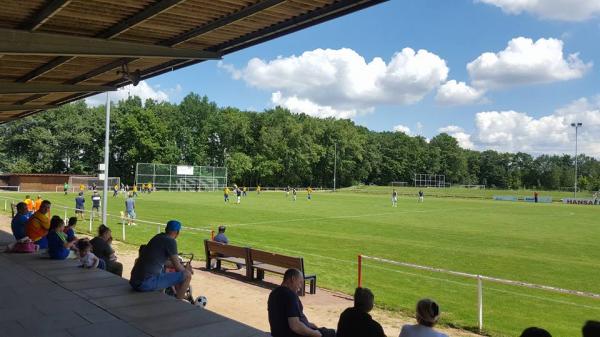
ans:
(43, 297)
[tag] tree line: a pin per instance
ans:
(270, 148)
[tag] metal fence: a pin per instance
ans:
(169, 177)
(479, 279)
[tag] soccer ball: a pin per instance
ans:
(201, 301)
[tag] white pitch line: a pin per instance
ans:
(348, 216)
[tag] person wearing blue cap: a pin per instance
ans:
(147, 273)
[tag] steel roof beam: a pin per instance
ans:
(50, 9)
(218, 23)
(19, 42)
(18, 107)
(38, 88)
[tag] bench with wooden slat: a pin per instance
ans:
(276, 263)
(229, 253)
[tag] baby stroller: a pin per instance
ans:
(186, 260)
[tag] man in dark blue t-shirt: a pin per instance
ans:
(79, 201)
(147, 273)
(285, 310)
(18, 222)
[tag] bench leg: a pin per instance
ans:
(313, 285)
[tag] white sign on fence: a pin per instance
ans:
(101, 167)
(101, 176)
(185, 170)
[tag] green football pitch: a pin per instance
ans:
(549, 244)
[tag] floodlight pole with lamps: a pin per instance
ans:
(334, 163)
(576, 126)
(106, 159)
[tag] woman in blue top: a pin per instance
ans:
(18, 222)
(58, 245)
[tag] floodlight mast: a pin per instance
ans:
(334, 163)
(106, 159)
(576, 126)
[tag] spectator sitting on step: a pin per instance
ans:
(18, 222)
(58, 246)
(70, 229)
(38, 224)
(147, 273)
(86, 257)
(286, 316)
(428, 314)
(101, 246)
(591, 329)
(535, 332)
(356, 321)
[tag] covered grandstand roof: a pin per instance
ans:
(57, 51)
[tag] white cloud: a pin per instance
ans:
(306, 106)
(565, 10)
(402, 128)
(463, 138)
(458, 93)
(341, 82)
(235, 73)
(143, 90)
(517, 131)
(526, 62)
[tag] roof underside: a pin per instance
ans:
(57, 51)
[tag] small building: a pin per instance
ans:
(34, 182)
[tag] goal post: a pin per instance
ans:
(76, 183)
(10, 188)
(171, 177)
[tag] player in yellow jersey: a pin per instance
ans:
(81, 187)
(30, 204)
(226, 194)
(38, 203)
(149, 187)
(258, 189)
(309, 193)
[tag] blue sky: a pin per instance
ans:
(519, 109)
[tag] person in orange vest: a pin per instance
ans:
(30, 204)
(38, 203)
(38, 225)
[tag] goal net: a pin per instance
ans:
(10, 188)
(429, 180)
(170, 177)
(77, 184)
(399, 184)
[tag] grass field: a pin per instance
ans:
(550, 244)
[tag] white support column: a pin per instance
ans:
(480, 302)
(106, 159)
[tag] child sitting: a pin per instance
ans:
(86, 257)
(70, 229)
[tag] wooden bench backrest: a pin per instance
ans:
(284, 261)
(227, 250)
